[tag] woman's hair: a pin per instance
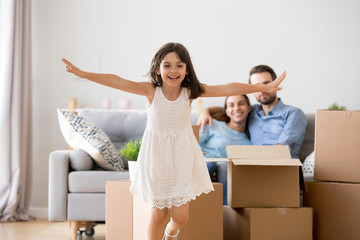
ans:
(190, 81)
(225, 105)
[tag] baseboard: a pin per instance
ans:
(39, 212)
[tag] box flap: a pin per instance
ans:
(258, 152)
(278, 155)
(302, 180)
(267, 162)
(216, 159)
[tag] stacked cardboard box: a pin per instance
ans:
(263, 195)
(335, 195)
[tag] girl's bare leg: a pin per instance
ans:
(157, 223)
(179, 217)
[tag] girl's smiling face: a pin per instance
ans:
(172, 70)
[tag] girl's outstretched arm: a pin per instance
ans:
(112, 80)
(231, 89)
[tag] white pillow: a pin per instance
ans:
(83, 134)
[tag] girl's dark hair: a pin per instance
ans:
(225, 104)
(190, 81)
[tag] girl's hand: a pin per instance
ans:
(71, 68)
(275, 85)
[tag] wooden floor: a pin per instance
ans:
(42, 229)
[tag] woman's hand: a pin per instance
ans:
(275, 85)
(71, 68)
(204, 118)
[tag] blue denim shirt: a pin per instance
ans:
(284, 125)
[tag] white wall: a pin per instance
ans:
(317, 42)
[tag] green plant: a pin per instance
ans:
(131, 149)
(336, 106)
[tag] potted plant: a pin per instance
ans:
(131, 151)
(336, 106)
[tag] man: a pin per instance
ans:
(271, 122)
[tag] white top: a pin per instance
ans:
(171, 169)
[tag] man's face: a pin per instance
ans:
(263, 97)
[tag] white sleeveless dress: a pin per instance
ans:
(171, 169)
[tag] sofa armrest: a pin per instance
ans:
(58, 185)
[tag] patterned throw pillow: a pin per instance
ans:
(308, 167)
(82, 134)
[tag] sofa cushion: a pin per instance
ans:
(83, 134)
(80, 160)
(86, 207)
(93, 181)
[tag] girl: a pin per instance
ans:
(171, 170)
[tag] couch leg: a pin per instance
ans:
(75, 225)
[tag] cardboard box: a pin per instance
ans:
(196, 129)
(268, 223)
(127, 216)
(262, 176)
(337, 146)
(336, 209)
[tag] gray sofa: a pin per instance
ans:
(79, 196)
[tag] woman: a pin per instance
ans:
(233, 131)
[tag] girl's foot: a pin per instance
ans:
(167, 235)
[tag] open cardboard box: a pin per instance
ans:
(337, 146)
(127, 216)
(263, 176)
